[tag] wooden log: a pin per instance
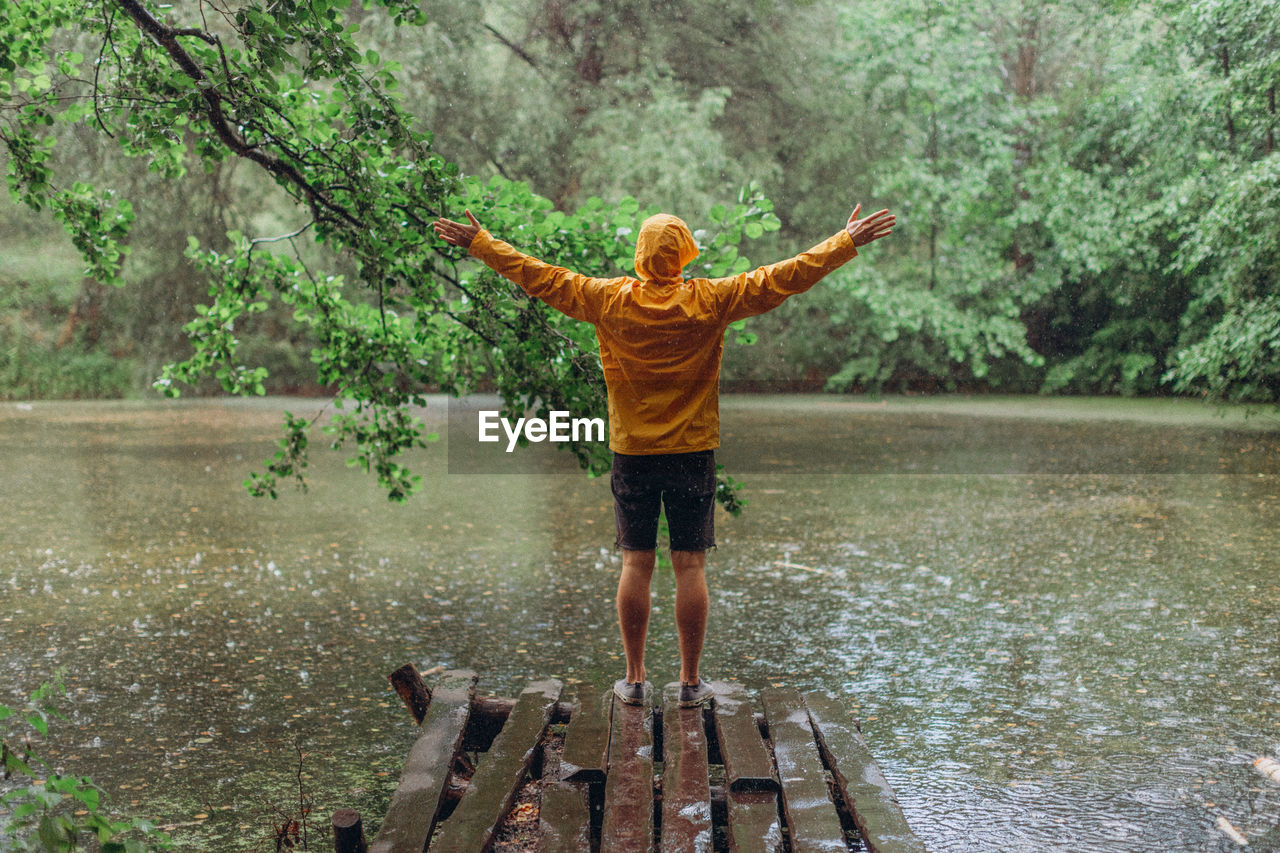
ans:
(747, 765)
(488, 716)
(411, 816)
(500, 773)
(586, 740)
(412, 689)
(493, 708)
(812, 820)
(686, 792)
(628, 792)
(871, 801)
(348, 832)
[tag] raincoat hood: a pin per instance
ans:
(663, 248)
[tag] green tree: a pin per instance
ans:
(1160, 184)
(391, 310)
(943, 304)
(1082, 191)
(1232, 244)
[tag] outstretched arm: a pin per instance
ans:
(576, 295)
(763, 289)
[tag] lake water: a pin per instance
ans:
(1057, 619)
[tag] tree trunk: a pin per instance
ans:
(1271, 128)
(1025, 88)
(85, 317)
(1226, 75)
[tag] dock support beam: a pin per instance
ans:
(348, 832)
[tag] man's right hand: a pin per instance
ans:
(875, 226)
(457, 233)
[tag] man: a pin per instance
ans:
(661, 338)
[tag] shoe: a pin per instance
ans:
(632, 692)
(693, 695)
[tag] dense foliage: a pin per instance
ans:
(1085, 194)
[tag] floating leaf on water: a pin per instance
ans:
(1268, 767)
(1225, 827)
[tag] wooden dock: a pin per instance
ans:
(576, 770)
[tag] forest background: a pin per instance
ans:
(1087, 192)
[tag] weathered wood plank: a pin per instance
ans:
(811, 817)
(747, 765)
(628, 792)
(565, 818)
(686, 791)
(586, 740)
(754, 824)
(416, 801)
(867, 793)
(751, 800)
(564, 815)
(499, 773)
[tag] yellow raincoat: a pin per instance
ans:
(661, 335)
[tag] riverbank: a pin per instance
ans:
(1170, 411)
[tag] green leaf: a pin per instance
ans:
(39, 723)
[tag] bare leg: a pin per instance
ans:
(633, 608)
(691, 609)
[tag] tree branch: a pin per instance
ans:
(515, 48)
(97, 68)
(166, 38)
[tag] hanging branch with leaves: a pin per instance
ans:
(285, 86)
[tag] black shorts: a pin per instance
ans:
(685, 483)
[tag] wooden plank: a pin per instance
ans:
(416, 801)
(586, 740)
(564, 815)
(754, 823)
(872, 801)
(811, 817)
(628, 792)
(747, 765)
(500, 773)
(686, 791)
(751, 800)
(565, 819)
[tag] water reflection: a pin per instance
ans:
(1049, 647)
